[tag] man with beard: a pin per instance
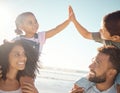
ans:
(103, 71)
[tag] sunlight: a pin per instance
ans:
(6, 21)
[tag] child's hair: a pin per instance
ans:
(20, 18)
(112, 23)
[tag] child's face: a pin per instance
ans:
(30, 25)
(104, 33)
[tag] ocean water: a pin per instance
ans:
(57, 80)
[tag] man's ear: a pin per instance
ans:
(112, 73)
(115, 37)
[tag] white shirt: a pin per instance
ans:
(15, 91)
(41, 39)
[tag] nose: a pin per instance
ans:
(23, 57)
(92, 65)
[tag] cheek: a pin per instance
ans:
(37, 26)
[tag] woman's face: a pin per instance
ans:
(17, 58)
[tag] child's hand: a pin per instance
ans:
(118, 88)
(27, 85)
(71, 14)
(0, 72)
(28, 88)
(77, 89)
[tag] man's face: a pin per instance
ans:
(99, 68)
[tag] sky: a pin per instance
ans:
(68, 49)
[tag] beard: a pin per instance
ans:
(98, 79)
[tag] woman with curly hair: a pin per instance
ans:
(18, 59)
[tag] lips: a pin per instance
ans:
(21, 65)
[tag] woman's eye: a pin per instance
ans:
(16, 55)
(30, 23)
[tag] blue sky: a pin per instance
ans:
(68, 49)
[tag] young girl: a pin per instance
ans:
(27, 23)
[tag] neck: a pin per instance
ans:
(12, 74)
(104, 86)
(29, 35)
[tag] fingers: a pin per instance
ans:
(0, 72)
(70, 11)
(77, 89)
(27, 85)
(71, 14)
(118, 88)
(28, 88)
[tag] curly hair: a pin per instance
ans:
(32, 59)
(114, 55)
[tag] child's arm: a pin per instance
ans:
(84, 32)
(57, 29)
(77, 89)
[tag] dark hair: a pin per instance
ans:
(112, 23)
(32, 59)
(20, 18)
(114, 55)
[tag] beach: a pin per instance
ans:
(56, 80)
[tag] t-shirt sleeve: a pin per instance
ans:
(97, 37)
(41, 37)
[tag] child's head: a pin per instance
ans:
(111, 25)
(26, 22)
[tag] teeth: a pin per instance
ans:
(21, 63)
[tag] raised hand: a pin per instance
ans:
(71, 14)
